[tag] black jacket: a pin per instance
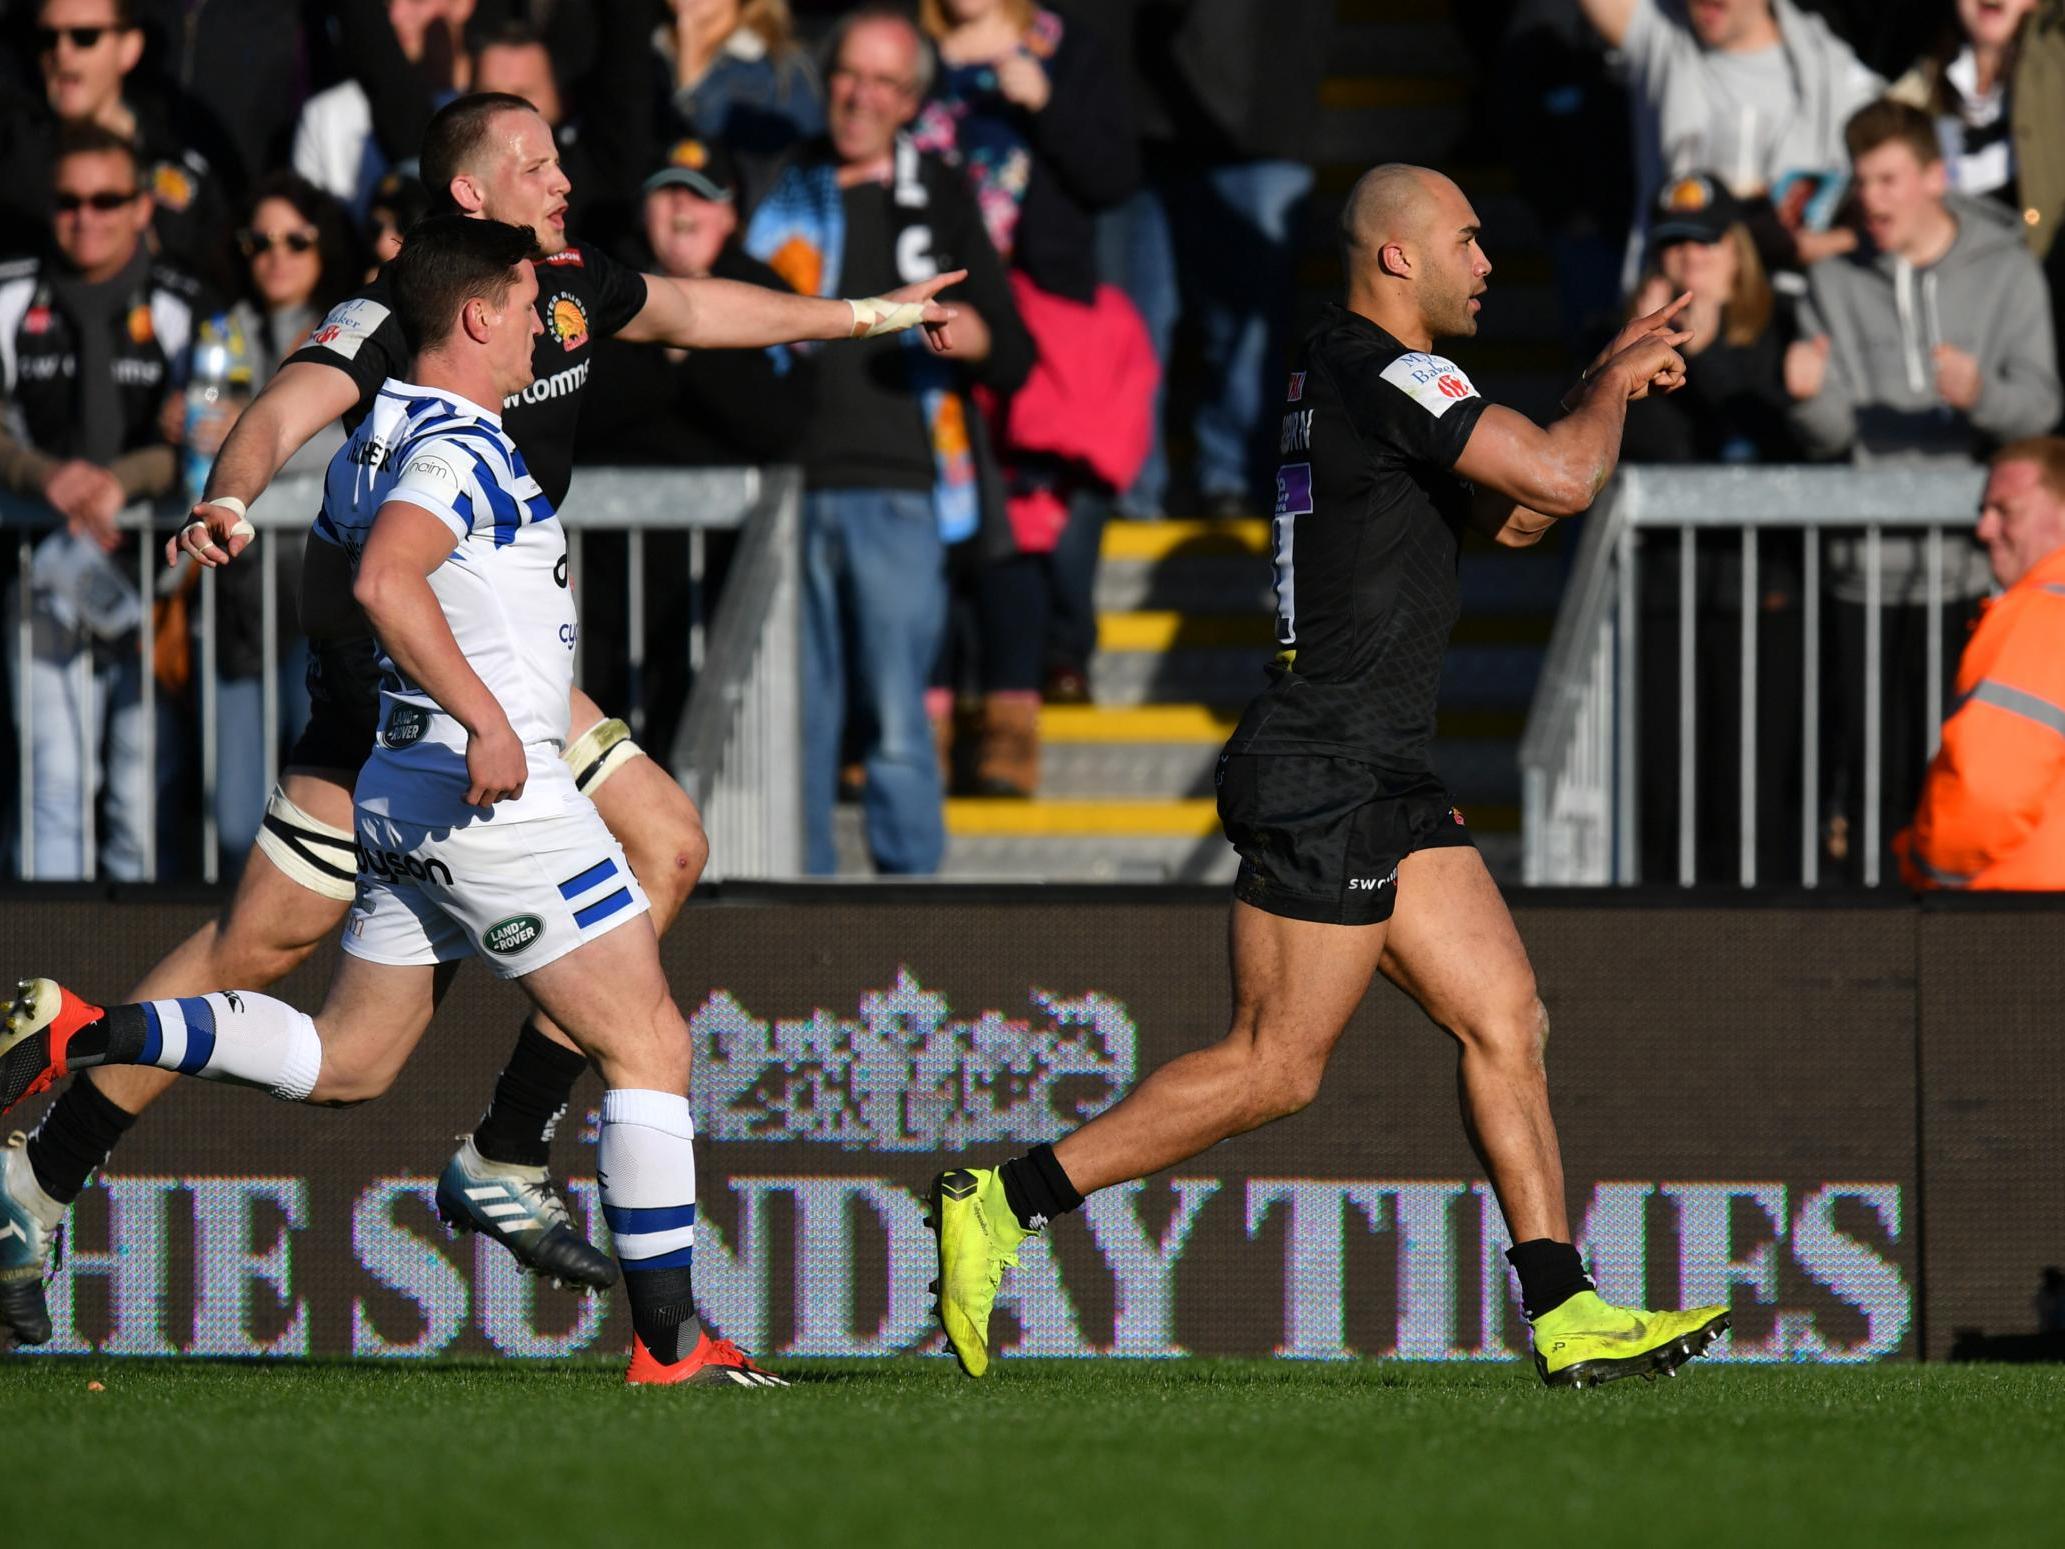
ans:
(1732, 408)
(39, 357)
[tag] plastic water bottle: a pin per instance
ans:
(218, 385)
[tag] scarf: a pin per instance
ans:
(799, 231)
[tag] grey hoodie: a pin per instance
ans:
(1884, 318)
(1699, 109)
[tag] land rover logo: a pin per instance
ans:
(512, 935)
(405, 725)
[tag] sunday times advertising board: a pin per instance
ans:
(1744, 1097)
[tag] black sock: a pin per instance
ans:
(663, 1311)
(118, 1037)
(74, 1138)
(530, 1096)
(1038, 1189)
(1550, 1274)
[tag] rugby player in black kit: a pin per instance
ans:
(488, 155)
(1353, 858)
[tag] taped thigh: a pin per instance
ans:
(309, 851)
(598, 753)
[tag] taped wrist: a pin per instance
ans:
(240, 527)
(874, 316)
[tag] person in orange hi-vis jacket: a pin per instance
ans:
(1992, 811)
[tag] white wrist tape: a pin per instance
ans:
(238, 529)
(877, 315)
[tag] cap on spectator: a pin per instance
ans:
(1692, 209)
(698, 166)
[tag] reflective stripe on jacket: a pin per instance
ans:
(1992, 812)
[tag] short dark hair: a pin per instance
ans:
(456, 135)
(89, 139)
(447, 261)
(1885, 121)
(509, 34)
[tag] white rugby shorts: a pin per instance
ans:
(521, 895)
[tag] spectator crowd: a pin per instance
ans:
(1862, 200)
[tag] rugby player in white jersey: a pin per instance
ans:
(472, 834)
(489, 156)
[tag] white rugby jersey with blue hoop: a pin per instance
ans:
(503, 591)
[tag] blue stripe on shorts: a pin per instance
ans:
(602, 910)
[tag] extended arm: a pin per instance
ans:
(300, 400)
(714, 314)
(406, 544)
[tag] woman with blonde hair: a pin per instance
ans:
(737, 76)
(1736, 411)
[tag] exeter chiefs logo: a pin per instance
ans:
(901, 1076)
(567, 322)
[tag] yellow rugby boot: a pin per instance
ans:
(1587, 1341)
(978, 1241)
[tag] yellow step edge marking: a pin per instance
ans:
(975, 818)
(1166, 631)
(1215, 723)
(971, 817)
(1172, 631)
(1158, 540)
(1137, 723)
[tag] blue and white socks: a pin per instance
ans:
(647, 1171)
(237, 1036)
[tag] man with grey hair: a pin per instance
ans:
(1354, 859)
(896, 466)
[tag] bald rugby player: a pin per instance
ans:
(1354, 859)
(488, 155)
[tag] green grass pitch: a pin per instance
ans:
(1051, 1453)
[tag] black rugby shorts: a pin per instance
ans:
(343, 705)
(1321, 838)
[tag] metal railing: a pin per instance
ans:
(739, 751)
(1580, 756)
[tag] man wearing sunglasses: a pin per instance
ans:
(92, 343)
(87, 52)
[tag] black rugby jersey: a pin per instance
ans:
(583, 295)
(1369, 520)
